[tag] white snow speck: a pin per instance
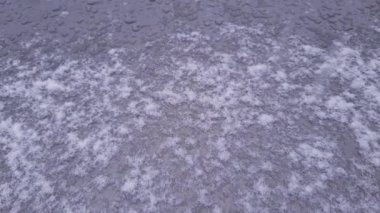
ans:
(129, 185)
(265, 119)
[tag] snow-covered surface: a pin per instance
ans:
(236, 122)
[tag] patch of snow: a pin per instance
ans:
(49, 84)
(257, 69)
(265, 119)
(129, 185)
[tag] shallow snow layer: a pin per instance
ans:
(239, 122)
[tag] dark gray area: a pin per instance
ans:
(136, 22)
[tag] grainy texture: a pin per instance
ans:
(189, 106)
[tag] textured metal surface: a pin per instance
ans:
(189, 106)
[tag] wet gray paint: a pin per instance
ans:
(189, 106)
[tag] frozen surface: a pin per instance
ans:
(189, 106)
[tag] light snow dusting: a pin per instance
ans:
(186, 124)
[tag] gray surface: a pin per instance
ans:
(189, 106)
